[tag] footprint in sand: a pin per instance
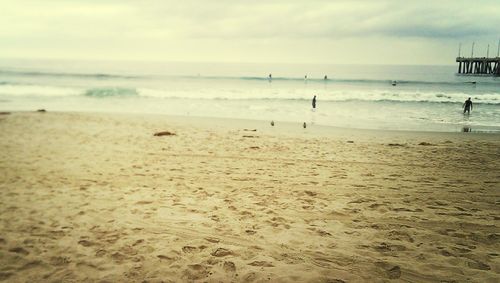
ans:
(32, 264)
(100, 253)
(261, 264)
(85, 243)
(220, 252)
(309, 193)
(144, 202)
(246, 213)
(322, 261)
(128, 250)
(59, 260)
(446, 253)
(212, 240)
(384, 247)
(250, 232)
(140, 241)
(117, 256)
(478, 265)
(189, 249)
(168, 259)
(279, 221)
(229, 266)
(5, 275)
(394, 272)
(492, 238)
(196, 272)
(87, 267)
(391, 271)
(289, 258)
(400, 236)
(19, 250)
(249, 277)
(323, 233)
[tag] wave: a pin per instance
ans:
(470, 82)
(329, 96)
(29, 90)
(110, 91)
(460, 81)
(338, 95)
(70, 75)
(37, 90)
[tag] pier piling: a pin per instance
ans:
(479, 65)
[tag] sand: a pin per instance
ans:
(98, 198)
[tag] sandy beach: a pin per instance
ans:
(98, 198)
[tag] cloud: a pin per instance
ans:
(234, 29)
(312, 19)
(243, 19)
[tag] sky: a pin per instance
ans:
(314, 31)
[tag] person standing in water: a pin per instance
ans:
(467, 106)
(314, 102)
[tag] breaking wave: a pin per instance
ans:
(64, 75)
(232, 94)
(110, 91)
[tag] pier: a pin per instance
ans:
(479, 66)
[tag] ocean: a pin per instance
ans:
(423, 98)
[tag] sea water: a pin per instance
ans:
(422, 98)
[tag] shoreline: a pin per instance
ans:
(97, 197)
(320, 129)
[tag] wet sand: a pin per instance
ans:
(98, 198)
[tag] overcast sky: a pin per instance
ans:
(314, 31)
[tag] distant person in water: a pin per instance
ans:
(270, 76)
(467, 106)
(314, 102)
(326, 77)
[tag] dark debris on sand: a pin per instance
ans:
(164, 133)
(395, 144)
